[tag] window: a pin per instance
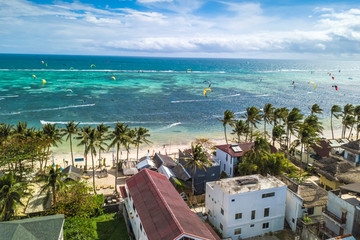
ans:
(266, 225)
(222, 211)
(252, 214)
(230, 171)
(266, 212)
(252, 225)
(266, 195)
(293, 220)
(221, 226)
(230, 160)
(237, 231)
(224, 167)
(233, 200)
(238, 215)
(226, 157)
(310, 211)
(140, 227)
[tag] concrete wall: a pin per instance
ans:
(293, 209)
(134, 220)
(225, 165)
(245, 203)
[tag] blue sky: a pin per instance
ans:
(183, 28)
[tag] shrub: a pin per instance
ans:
(79, 228)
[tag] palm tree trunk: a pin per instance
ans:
(331, 125)
(137, 154)
(100, 157)
(93, 166)
(47, 155)
(117, 167)
(193, 182)
(72, 155)
(54, 196)
(350, 131)
(301, 154)
(225, 135)
(264, 130)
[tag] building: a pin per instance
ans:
(156, 211)
(47, 227)
(229, 156)
(335, 172)
(73, 173)
(352, 151)
(201, 176)
(342, 212)
(247, 206)
(303, 200)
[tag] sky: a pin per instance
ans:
(292, 29)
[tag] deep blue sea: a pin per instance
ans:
(165, 94)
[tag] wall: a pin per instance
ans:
(134, 220)
(244, 203)
(293, 209)
(229, 167)
(331, 184)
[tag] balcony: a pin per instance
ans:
(333, 216)
(327, 231)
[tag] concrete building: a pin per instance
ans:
(352, 151)
(156, 211)
(247, 206)
(342, 212)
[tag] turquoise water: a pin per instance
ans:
(159, 94)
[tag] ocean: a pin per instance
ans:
(165, 95)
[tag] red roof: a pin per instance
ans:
(123, 192)
(163, 213)
(244, 147)
(323, 150)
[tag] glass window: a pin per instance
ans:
(221, 226)
(310, 211)
(266, 225)
(266, 212)
(233, 200)
(252, 225)
(222, 211)
(226, 157)
(140, 227)
(237, 231)
(266, 195)
(252, 214)
(238, 215)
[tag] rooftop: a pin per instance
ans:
(237, 150)
(249, 183)
(353, 146)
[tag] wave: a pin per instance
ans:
(97, 123)
(9, 96)
(195, 100)
(49, 109)
(11, 113)
(108, 70)
(262, 95)
(284, 70)
(167, 127)
(242, 112)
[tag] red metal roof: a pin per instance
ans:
(163, 213)
(123, 192)
(244, 146)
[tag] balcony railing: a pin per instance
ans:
(333, 216)
(328, 231)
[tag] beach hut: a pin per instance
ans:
(147, 163)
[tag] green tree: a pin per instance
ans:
(119, 138)
(314, 122)
(198, 160)
(292, 124)
(348, 122)
(252, 117)
(348, 111)
(69, 131)
(79, 228)
(102, 133)
(315, 109)
(357, 122)
(83, 136)
(141, 137)
(277, 132)
(267, 115)
(130, 140)
(227, 120)
(52, 136)
(240, 128)
(53, 183)
(10, 195)
(336, 112)
(92, 145)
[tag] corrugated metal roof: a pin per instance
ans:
(163, 213)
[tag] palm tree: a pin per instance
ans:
(53, 137)
(254, 159)
(348, 110)
(102, 132)
(83, 136)
(306, 137)
(357, 115)
(130, 140)
(239, 128)
(5, 132)
(314, 122)
(277, 132)
(198, 160)
(20, 130)
(70, 129)
(315, 109)
(253, 117)
(348, 122)
(227, 120)
(10, 195)
(292, 123)
(336, 112)
(268, 115)
(119, 138)
(141, 137)
(54, 183)
(92, 145)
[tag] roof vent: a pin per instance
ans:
(236, 148)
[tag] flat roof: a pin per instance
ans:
(249, 183)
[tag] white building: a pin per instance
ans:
(247, 206)
(342, 213)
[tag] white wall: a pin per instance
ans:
(221, 156)
(244, 203)
(135, 220)
(293, 208)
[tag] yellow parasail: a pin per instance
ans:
(34, 76)
(205, 91)
(68, 90)
(43, 81)
(187, 70)
(113, 78)
(312, 83)
(92, 65)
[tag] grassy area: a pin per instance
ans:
(110, 227)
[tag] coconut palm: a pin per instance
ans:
(227, 120)
(336, 111)
(53, 183)
(5, 132)
(348, 110)
(102, 132)
(348, 122)
(277, 132)
(119, 138)
(83, 136)
(10, 195)
(314, 122)
(70, 129)
(20, 130)
(130, 141)
(94, 142)
(292, 123)
(141, 137)
(239, 128)
(357, 115)
(306, 137)
(280, 115)
(198, 160)
(52, 136)
(315, 109)
(268, 115)
(252, 117)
